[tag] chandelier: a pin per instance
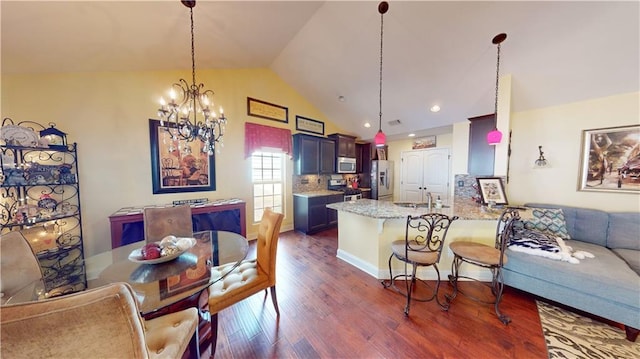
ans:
(380, 137)
(494, 137)
(187, 102)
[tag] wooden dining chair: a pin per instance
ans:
(160, 222)
(485, 256)
(251, 276)
(100, 323)
(19, 266)
(421, 247)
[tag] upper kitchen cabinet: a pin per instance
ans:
(345, 145)
(363, 157)
(313, 155)
(481, 154)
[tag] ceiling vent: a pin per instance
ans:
(394, 123)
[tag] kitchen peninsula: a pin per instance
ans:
(367, 227)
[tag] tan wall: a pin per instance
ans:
(107, 115)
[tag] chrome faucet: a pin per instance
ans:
(429, 200)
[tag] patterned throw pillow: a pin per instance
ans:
(546, 220)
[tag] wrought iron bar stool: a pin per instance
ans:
(421, 247)
(485, 256)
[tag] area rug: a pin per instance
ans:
(570, 335)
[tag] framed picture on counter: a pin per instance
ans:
(492, 190)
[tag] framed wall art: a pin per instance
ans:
(492, 190)
(270, 111)
(424, 142)
(176, 170)
(610, 160)
(309, 125)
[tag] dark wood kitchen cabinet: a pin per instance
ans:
(310, 214)
(313, 155)
(363, 158)
(345, 145)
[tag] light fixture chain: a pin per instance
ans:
(495, 106)
(193, 51)
(381, 43)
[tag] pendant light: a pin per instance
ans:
(381, 138)
(494, 137)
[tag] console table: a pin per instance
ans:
(222, 215)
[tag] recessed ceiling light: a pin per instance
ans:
(367, 124)
(412, 135)
(341, 98)
(435, 108)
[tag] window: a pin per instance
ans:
(267, 177)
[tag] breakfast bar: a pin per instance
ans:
(367, 227)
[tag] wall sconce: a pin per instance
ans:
(541, 162)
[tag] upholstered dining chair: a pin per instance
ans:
(251, 276)
(160, 222)
(421, 247)
(100, 323)
(485, 256)
(19, 266)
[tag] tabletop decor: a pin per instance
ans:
(179, 166)
(492, 191)
(610, 160)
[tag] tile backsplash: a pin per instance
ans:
(307, 183)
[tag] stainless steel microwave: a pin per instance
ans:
(346, 165)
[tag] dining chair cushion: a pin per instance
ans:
(101, 323)
(398, 248)
(477, 252)
(237, 285)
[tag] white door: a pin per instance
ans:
(425, 171)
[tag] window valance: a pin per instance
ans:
(257, 137)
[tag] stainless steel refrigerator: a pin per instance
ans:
(382, 180)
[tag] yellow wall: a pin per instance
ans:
(107, 115)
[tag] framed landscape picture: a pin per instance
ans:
(610, 160)
(175, 169)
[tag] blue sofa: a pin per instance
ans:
(607, 285)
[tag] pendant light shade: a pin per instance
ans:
(381, 138)
(495, 137)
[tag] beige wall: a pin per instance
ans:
(559, 130)
(107, 115)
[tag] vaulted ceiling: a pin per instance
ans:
(434, 52)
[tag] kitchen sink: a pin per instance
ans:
(416, 205)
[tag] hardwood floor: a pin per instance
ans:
(330, 309)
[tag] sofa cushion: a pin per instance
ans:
(546, 220)
(624, 230)
(631, 256)
(587, 225)
(607, 276)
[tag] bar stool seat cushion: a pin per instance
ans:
(398, 248)
(477, 252)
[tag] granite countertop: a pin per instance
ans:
(323, 192)
(388, 210)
